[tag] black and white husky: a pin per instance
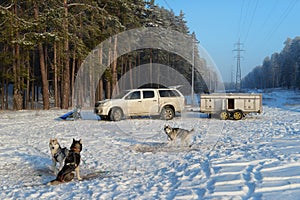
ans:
(58, 154)
(179, 133)
(72, 162)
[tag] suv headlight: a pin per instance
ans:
(106, 103)
(102, 103)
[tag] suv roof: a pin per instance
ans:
(152, 86)
(157, 86)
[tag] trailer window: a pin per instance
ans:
(230, 103)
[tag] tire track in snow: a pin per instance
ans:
(250, 178)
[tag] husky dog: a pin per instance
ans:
(174, 133)
(58, 154)
(72, 162)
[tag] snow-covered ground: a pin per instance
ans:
(254, 158)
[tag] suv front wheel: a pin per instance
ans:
(116, 114)
(167, 113)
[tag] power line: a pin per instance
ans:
(166, 2)
(282, 18)
(241, 14)
(245, 17)
(271, 11)
(251, 21)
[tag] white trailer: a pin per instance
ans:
(230, 105)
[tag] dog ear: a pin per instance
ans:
(80, 141)
(165, 126)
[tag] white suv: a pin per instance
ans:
(164, 102)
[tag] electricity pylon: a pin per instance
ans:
(238, 65)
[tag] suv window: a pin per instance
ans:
(148, 94)
(168, 93)
(134, 95)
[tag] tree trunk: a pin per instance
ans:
(114, 68)
(130, 72)
(73, 73)
(91, 82)
(100, 90)
(33, 83)
(138, 63)
(121, 83)
(108, 89)
(28, 81)
(56, 98)
(108, 77)
(2, 89)
(45, 84)
(66, 74)
(100, 86)
(6, 94)
(17, 96)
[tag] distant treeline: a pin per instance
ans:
(281, 70)
(44, 42)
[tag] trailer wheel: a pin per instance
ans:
(237, 115)
(224, 115)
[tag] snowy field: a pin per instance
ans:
(254, 158)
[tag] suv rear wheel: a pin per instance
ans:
(167, 113)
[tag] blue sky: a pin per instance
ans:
(262, 26)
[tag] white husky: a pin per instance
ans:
(183, 134)
(58, 154)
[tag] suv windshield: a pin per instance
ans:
(122, 94)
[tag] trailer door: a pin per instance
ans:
(230, 104)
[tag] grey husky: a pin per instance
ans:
(72, 162)
(182, 134)
(58, 154)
